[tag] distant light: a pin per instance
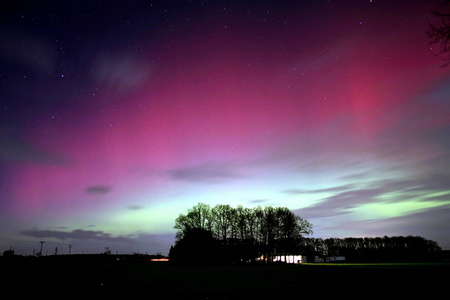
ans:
(159, 259)
(62, 75)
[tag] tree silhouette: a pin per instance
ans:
(241, 234)
(196, 218)
(196, 246)
(439, 32)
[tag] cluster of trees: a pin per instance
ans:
(232, 235)
(395, 248)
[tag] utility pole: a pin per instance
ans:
(70, 247)
(42, 243)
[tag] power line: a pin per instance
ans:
(23, 246)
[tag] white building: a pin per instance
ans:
(290, 259)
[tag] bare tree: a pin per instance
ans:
(439, 32)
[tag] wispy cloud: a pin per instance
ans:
(134, 207)
(257, 201)
(210, 172)
(340, 203)
(14, 149)
(121, 72)
(98, 189)
(77, 234)
(340, 188)
(378, 199)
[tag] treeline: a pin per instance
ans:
(372, 249)
(226, 234)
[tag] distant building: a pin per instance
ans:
(327, 259)
(334, 258)
(317, 259)
(290, 259)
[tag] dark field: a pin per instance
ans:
(145, 280)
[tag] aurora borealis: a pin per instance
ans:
(116, 117)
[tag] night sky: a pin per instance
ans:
(117, 116)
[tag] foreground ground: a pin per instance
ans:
(139, 280)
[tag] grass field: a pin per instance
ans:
(138, 280)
